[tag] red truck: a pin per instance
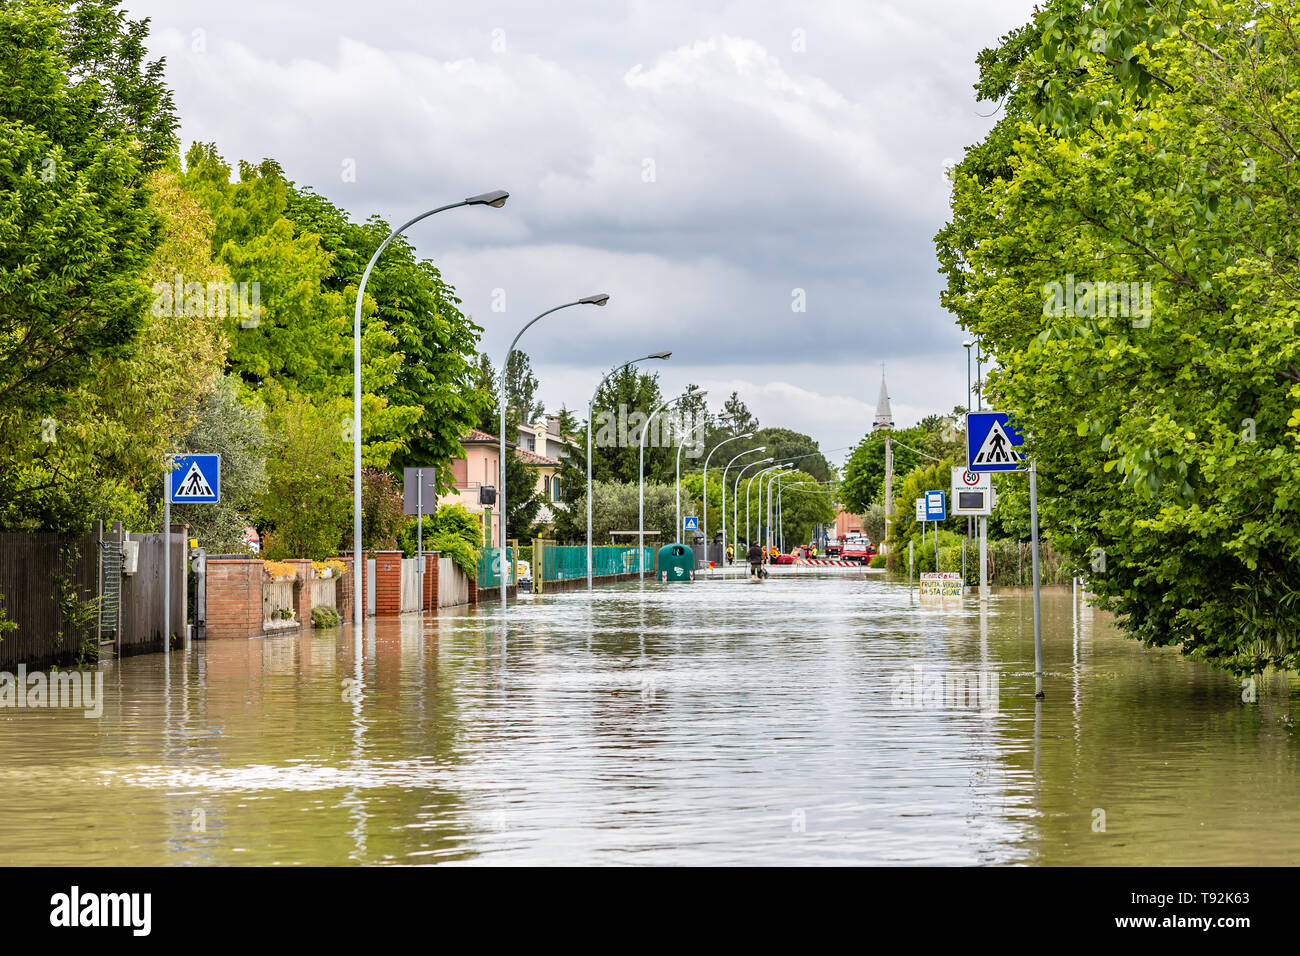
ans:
(858, 549)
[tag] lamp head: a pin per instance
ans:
(497, 198)
(660, 355)
(599, 298)
(967, 344)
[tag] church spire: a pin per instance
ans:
(884, 417)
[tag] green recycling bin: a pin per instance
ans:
(676, 563)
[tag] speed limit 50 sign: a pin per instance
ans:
(972, 493)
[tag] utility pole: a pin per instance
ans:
(885, 422)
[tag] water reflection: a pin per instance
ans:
(719, 722)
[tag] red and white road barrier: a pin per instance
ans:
(832, 562)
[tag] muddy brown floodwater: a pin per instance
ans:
(817, 718)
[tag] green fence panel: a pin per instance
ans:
(488, 564)
(565, 562)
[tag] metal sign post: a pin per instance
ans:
(984, 556)
(993, 443)
(1038, 617)
(167, 560)
(188, 480)
(419, 532)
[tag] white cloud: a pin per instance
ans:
(777, 165)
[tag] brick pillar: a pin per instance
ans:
(473, 589)
(431, 580)
(234, 598)
(388, 583)
(302, 591)
(344, 593)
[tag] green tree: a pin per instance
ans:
(522, 406)
(805, 503)
(83, 120)
(484, 385)
(785, 445)
(307, 500)
(236, 431)
(570, 512)
(620, 410)
(933, 438)
(523, 497)
(1123, 245)
(383, 517)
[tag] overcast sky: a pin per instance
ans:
(708, 164)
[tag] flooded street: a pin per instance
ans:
(713, 723)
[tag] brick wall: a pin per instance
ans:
(234, 598)
(388, 582)
(473, 589)
(345, 602)
(302, 591)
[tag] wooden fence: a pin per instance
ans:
(48, 579)
(41, 576)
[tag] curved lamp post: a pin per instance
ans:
(767, 483)
(748, 451)
(723, 504)
(677, 484)
(496, 199)
(749, 487)
(640, 507)
(664, 356)
(735, 503)
(599, 299)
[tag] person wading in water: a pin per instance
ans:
(756, 558)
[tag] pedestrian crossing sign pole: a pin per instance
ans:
(993, 443)
(190, 480)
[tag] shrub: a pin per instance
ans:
(324, 616)
(280, 570)
(462, 553)
(877, 562)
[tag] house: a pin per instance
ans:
(540, 445)
(480, 468)
(543, 445)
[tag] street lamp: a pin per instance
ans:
(496, 199)
(599, 299)
(749, 485)
(771, 478)
(967, 346)
(663, 356)
(678, 480)
(749, 451)
(735, 503)
(640, 507)
(723, 503)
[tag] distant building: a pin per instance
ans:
(544, 446)
(481, 467)
(846, 524)
(540, 445)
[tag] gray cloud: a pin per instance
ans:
(791, 148)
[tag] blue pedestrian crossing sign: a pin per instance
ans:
(936, 506)
(690, 523)
(195, 479)
(992, 442)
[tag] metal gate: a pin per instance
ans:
(370, 587)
